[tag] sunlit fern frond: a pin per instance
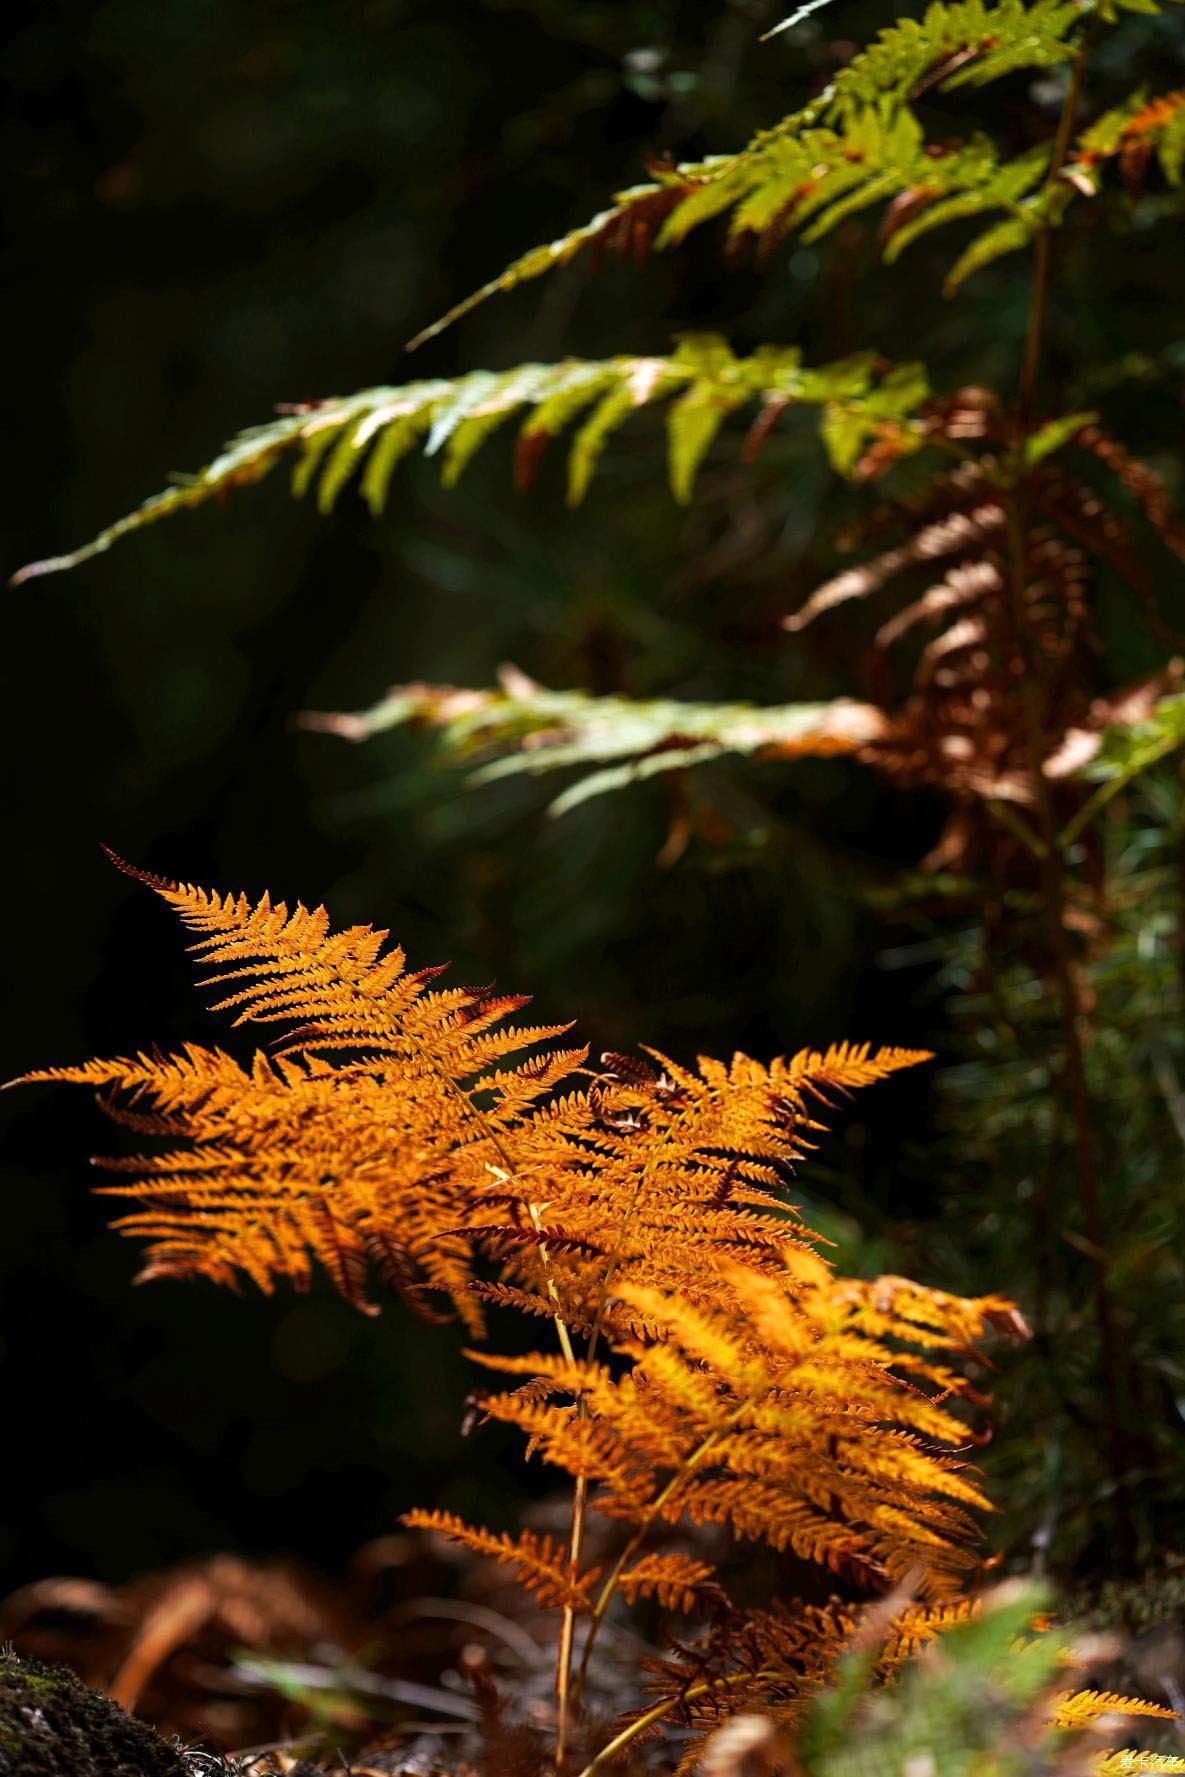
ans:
(539, 1563)
(777, 1419)
(395, 1126)
(811, 178)
(679, 1582)
(859, 145)
(523, 728)
(944, 551)
(662, 1175)
(1081, 1709)
(290, 1162)
(342, 990)
(362, 1162)
(862, 401)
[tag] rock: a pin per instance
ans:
(53, 1725)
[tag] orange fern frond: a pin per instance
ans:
(779, 1419)
(538, 1561)
(678, 1581)
(356, 1144)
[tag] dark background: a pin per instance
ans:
(217, 205)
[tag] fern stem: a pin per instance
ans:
(635, 1542)
(660, 1710)
(571, 1694)
(1053, 877)
(580, 1499)
(1052, 866)
(1017, 826)
(1042, 268)
(563, 1671)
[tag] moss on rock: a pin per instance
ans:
(53, 1725)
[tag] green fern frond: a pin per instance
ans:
(798, 176)
(363, 437)
(968, 43)
(857, 146)
(533, 730)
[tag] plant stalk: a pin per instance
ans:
(1052, 863)
(659, 1710)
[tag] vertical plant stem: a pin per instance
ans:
(1030, 374)
(687, 1468)
(563, 1674)
(1026, 664)
(567, 1693)
(580, 1496)
(640, 1724)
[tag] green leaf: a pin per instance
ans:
(1053, 435)
(1009, 236)
(1128, 749)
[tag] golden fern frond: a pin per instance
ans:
(342, 990)
(844, 1067)
(1079, 1709)
(539, 1561)
(772, 1417)
(367, 1162)
(918, 1625)
(290, 1162)
(679, 1582)
(363, 437)
(662, 1175)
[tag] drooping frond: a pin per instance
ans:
(811, 178)
(963, 725)
(538, 1561)
(963, 43)
(522, 728)
(363, 437)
